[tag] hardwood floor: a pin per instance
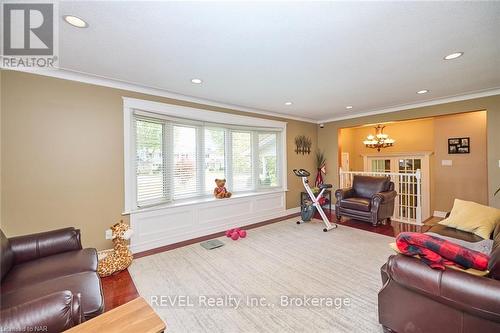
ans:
(119, 288)
(387, 229)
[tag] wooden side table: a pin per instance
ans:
(132, 317)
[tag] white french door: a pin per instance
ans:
(406, 186)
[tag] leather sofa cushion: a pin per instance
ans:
(49, 268)
(86, 283)
(43, 244)
(6, 255)
(368, 186)
(362, 204)
(464, 292)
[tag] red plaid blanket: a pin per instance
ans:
(437, 252)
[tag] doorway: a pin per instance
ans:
(403, 169)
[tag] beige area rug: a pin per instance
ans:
(287, 278)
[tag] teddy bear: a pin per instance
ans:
(221, 192)
(121, 257)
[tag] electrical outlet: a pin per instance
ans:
(446, 162)
(109, 234)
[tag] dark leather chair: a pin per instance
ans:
(417, 298)
(370, 199)
(48, 282)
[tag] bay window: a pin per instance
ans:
(178, 158)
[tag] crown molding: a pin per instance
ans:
(82, 77)
(97, 80)
(402, 107)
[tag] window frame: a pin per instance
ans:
(200, 119)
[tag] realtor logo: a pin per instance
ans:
(28, 32)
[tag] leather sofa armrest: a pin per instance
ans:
(382, 197)
(343, 193)
(55, 312)
(34, 246)
(473, 294)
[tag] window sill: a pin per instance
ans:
(195, 201)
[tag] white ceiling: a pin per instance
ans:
(321, 56)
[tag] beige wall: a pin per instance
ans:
(328, 136)
(467, 178)
(62, 155)
(431, 135)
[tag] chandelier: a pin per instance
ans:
(379, 140)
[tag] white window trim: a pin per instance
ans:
(131, 105)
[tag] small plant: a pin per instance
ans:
(320, 166)
(320, 159)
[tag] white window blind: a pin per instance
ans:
(185, 171)
(150, 164)
(178, 159)
(214, 158)
(268, 159)
(242, 179)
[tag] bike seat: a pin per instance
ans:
(322, 186)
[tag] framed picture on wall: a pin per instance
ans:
(458, 145)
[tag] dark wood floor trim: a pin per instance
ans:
(207, 237)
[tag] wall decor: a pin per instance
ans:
(458, 145)
(303, 144)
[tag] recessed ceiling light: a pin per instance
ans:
(423, 91)
(348, 107)
(288, 103)
(453, 56)
(75, 21)
(196, 81)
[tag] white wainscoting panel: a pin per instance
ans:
(160, 227)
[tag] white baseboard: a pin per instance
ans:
(295, 210)
(292, 211)
(438, 213)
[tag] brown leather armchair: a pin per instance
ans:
(370, 199)
(416, 298)
(48, 282)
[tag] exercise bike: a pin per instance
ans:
(303, 174)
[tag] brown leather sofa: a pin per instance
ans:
(370, 199)
(48, 282)
(416, 298)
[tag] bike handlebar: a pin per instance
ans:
(301, 173)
